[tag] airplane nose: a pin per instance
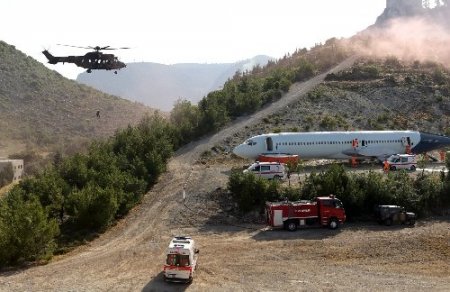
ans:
(238, 150)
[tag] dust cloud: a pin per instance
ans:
(408, 39)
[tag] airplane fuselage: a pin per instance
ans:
(341, 145)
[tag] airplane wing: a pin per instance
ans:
(368, 151)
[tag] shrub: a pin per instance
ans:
(26, 234)
(360, 193)
(6, 175)
(93, 207)
(251, 192)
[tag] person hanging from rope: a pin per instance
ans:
(98, 114)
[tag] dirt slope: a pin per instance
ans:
(234, 257)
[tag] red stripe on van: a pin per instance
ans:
(177, 268)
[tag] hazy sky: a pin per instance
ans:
(180, 31)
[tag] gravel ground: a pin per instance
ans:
(239, 256)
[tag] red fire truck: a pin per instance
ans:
(322, 211)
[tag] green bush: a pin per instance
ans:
(26, 233)
(6, 175)
(93, 207)
(360, 193)
(251, 192)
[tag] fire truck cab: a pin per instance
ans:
(181, 260)
(322, 211)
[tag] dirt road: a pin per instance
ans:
(239, 257)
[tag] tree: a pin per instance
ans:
(27, 233)
(185, 118)
(51, 190)
(6, 175)
(93, 207)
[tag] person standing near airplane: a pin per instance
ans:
(386, 166)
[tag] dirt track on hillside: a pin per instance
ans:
(235, 256)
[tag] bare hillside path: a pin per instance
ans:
(129, 256)
(296, 90)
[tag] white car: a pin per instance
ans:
(268, 170)
(402, 161)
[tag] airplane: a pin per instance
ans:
(341, 144)
(94, 60)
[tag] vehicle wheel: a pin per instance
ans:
(412, 168)
(411, 222)
(277, 178)
(388, 222)
(334, 224)
(291, 225)
(393, 168)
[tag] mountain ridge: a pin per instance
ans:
(160, 86)
(40, 107)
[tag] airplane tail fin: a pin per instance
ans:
(50, 57)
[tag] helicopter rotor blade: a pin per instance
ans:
(108, 48)
(73, 46)
(96, 48)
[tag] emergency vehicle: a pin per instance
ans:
(402, 161)
(268, 170)
(322, 211)
(181, 261)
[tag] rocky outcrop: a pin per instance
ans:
(400, 8)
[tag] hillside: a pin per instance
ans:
(39, 107)
(238, 251)
(374, 94)
(129, 256)
(160, 86)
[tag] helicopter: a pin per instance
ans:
(94, 60)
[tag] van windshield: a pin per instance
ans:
(394, 159)
(178, 260)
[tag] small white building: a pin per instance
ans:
(17, 166)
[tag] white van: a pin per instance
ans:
(402, 161)
(181, 260)
(268, 170)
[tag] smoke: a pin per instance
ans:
(407, 39)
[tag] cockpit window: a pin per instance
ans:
(251, 142)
